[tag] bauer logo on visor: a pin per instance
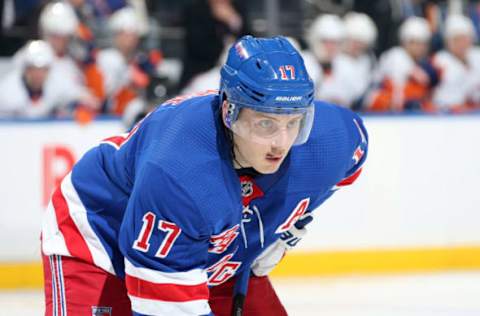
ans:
(288, 99)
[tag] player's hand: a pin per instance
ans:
(269, 258)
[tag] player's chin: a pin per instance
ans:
(269, 166)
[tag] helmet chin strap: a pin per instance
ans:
(237, 162)
(232, 147)
(234, 156)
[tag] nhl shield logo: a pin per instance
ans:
(250, 190)
(247, 188)
(101, 311)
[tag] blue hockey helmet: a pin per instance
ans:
(267, 75)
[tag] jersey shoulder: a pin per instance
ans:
(186, 144)
(17, 94)
(334, 121)
(186, 136)
(336, 148)
(444, 59)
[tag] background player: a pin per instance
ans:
(147, 221)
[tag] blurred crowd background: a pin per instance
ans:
(83, 58)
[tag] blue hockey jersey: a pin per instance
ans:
(164, 208)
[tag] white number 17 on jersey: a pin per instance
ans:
(142, 243)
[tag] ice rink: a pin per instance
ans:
(452, 294)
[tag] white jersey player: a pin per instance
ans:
(58, 24)
(30, 90)
(459, 65)
(354, 66)
(123, 81)
(401, 76)
(325, 40)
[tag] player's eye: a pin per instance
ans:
(294, 123)
(265, 124)
(265, 127)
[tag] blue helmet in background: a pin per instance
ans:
(267, 75)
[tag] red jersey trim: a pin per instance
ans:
(349, 180)
(73, 238)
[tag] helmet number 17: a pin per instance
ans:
(287, 72)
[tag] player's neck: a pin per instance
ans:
(238, 161)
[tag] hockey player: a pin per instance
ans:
(325, 40)
(27, 91)
(459, 67)
(58, 24)
(35, 87)
(404, 76)
(126, 70)
(354, 66)
(147, 222)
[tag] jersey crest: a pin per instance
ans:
(219, 243)
(223, 270)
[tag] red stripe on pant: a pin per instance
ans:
(57, 278)
(261, 299)
(87, 288)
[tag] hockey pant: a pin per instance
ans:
(76, 288)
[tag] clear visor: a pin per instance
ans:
(274, 127)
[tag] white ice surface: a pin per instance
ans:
(452, 294)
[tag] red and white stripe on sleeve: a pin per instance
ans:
(66, 230)
(155, 292)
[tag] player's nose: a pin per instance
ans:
(281, 140)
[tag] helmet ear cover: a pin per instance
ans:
(229, 113)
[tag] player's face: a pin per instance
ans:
(459, 45)
(270, 139)
(326, 50)
(417, 49)
(126, 42)
(355, 47)
(59, 43)
(36, 77)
